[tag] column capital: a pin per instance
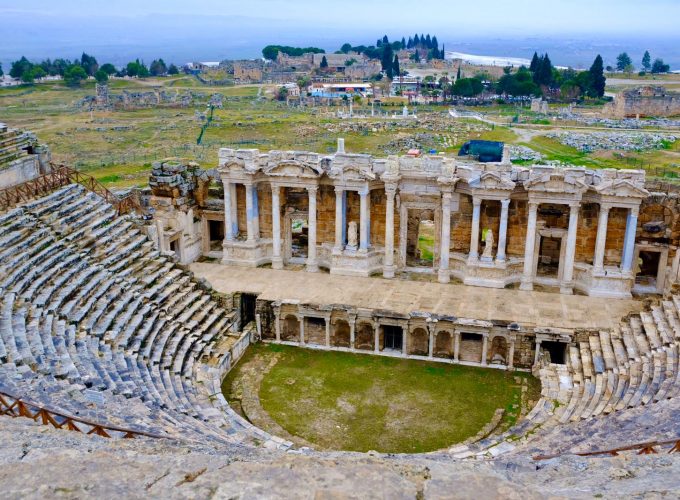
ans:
(339, 189)
(635, 211)
(276, 189)
(575, 206)
(533, 205)
(390, 189)
(312, 189)
(605, 207)
(364, 191)
(476, 200)
(505, 203)
(446, 194)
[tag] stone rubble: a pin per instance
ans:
(612, 141)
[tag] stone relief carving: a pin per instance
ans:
(488, 246)
(352, 241)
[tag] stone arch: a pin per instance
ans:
(419, 342)
(498, 351)
(291, 329)
(443, 344)
(340, 334)
(364, 338)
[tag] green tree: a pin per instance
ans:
(597, 79)
(108, 68)
(18, 68)
(623, 61)
(89, 64)
(468, 87)
(387, 60)
(458, 73)
(346, 47)
(646, 61)
(518, 84)
(282, 94)
(324, 63)
(74, 74)
(1, 72)
(396, 70)
(535, 61)
(101, 76)
(173, 70)
(660, 67)
(158, 67)
(416, 56)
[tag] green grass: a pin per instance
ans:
(362, 402)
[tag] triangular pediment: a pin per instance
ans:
(622, 188)
(492, 181)
(294, 169)
(556, 182)
(352, 173)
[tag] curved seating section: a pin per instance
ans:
(634, 365)
(87, 304)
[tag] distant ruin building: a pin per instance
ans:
(22, 158)
(102, 96)
(643, 102)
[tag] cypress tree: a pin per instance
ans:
(324, 62)
(387, 59)
(597, 78)
(403, 42)
(458, 73)
(534, 63)
(428, 41)
(395, 66)
(385, 40)
(416, 41)
(409, 45)
(443, 53)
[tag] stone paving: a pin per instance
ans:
(529, 308)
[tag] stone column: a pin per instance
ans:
(234, 210)
(277, 325)
(530, 243)
(388, 263)
(485, 348)
(503, 231)
(256, 213)
(430, 346)
(444, 274)
(629, 241)
(456, 346)
(339, 220)
(277, 260)
(405, 335)
(365, 220)
(511, 354)
(328, 330)
(312, 265)
(567, 285)
(352, 325)
(474, 234)
(601, 240)
(376, 336)
(538, 351)
(301, 319)
(250, 213)
(228, 222)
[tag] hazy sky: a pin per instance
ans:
(573, 31)
(507, 17)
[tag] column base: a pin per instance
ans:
(473, 260)
(444, 276)
(389, 272)
(526, 285)
(567, 288)
(312, 267)
(277, 263)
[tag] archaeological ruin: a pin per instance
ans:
(118, 323)
(643, 102)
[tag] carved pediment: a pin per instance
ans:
(621, 188)
(293, 169)
(556, 182)
(492, 181)
(352, 173)
(232, 165)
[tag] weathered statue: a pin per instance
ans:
(488, 245)
(352, 235)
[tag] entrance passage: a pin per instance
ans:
(649, 268)
(420, 238)
(556, 350)
(216, 233)
(549, 257)
(299, 229)
(247, 308)
(394, 337)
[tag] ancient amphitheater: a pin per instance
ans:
(105, 330)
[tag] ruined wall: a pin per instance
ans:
(378, 209)
(517, 228)
(586, 234)
(241, 209)
(264, 203)
(616, 231)
(325, 216)
(461, 226)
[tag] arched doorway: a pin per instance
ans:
(419, 342)
(443, 347)
(341, 334)
(291, 329)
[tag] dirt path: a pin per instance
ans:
(246, 388)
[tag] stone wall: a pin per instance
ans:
(644, 102)
(517, 228)
(461, 226)
(19, 171)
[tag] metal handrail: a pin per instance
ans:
(22, 407)
(646, 448)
